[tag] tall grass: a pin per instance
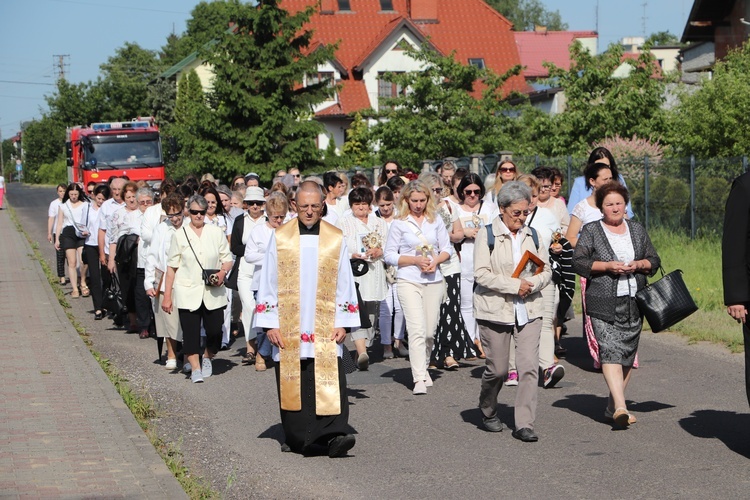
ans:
(700, 261)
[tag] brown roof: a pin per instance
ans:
(538, 47)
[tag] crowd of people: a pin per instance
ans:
(447, 266)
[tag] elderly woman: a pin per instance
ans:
(418, 243)
(196, 248)
(508, 307)
(126, 255)
(615, 255)
(167, 325)
(365, 235)
(255, 252)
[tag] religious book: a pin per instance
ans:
(530, 265)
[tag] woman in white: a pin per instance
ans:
(2, 191)
(391, 316)
(255, 252)
(71, 232)
(91, 250)
(52, 211)
(167, 325)
(505, 171)
(196, 247)
(418, 243)
(546, 200)
(474, 213)
(365, 235)
(254, 203)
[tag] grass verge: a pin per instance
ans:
(142, 408)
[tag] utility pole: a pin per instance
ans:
(59, 66)
(596, 15)
(645, 4)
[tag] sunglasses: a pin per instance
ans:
(255, 203)
(517, 213)
(296, 176)
(507, 169)
(391, 171)
(469, 192)
(197, 212)
(437, 190)
(90, 192)
(239, 184)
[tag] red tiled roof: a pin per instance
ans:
(471, 28)
(536, 48)
(352, 97)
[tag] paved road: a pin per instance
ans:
(692, 439)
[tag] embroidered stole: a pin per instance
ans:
(327, 396)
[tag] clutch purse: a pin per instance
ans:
(666, 302)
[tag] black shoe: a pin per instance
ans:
(98, 315)
(338, 446)
(526, 435)
(560, 351)
(492, 424)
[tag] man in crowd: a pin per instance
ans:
(306, 301)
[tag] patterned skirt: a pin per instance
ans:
(618, 340)
(452, 338)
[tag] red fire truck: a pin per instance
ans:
(105, 150)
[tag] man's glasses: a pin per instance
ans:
(469, 192)
(507, 169)
(518, 213)
(545, 187)
(197, 212)
(145, 203)
(314, 208)
(255, 203)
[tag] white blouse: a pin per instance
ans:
(372, 285)
(403, 240)
(622, 246)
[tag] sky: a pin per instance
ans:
(88, 32)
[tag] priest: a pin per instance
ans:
(306, 302)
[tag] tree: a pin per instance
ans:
(662, 38)
(195, 153)
(526, 14)
(601, 105)
(43, 143)
(714, 121)
(440, 114)
(124, 82)
(261, 116)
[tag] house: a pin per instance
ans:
(713, 28)
(372, 36)
(541, 46)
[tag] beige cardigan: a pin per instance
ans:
(496, 289)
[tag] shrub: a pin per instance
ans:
(629, 154)
(52, 173)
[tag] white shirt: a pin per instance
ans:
(403, 240)
(255, 250)
(52, 211)
(267, 310)
(245, 269)
(453, 265)
(372, 284)
(522, 316)
(622, 246)
(109, 207)
(125, 222)
(93, 225)
(156, 255)
(545, 222)
(2, 182)
(486, 214)
(73, 214)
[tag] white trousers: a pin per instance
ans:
(244, 282)
(421, 305)
(391, 319)
(467, 306)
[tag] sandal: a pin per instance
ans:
(249, 358)
(85, 292)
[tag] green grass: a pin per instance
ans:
(700, 261)
(141, 407)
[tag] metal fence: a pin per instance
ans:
(685, 195)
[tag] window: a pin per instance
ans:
(344, 5)
(319, 77)
(386, 90)
(386, 4)
(478, 62)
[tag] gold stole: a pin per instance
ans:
(327, 396)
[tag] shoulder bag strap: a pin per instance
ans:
(418, 232)
(191, 248)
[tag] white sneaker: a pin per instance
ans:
(171, 364)
(419, 388)
(196, 377)
(428, 381)
(207, 368)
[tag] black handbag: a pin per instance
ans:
(666, 302)
(209, 276)
(113, 300)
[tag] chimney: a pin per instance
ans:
(423, 11)
(328, 6)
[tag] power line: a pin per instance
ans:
(119, 7)
(27, 83)
(23, 97)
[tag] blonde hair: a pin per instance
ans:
(529, 180)
(416, 186)
(277, 203)
(498, 183)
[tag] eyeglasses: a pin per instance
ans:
(391, 171)
(469, 192)
(296, 176)
(437, 190)
(239, 184)
(545, 187)
(507, 169)
(280, 217)
(145, 203)
(90, 192)
(305, 208)
(178, 214)
(517, 213)
(255, 203)
(197, 212)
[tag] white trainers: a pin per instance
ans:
(419, 388)
(207, 368)
(428, 381)
(196, 377)
(171, 364)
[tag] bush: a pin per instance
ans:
(51, 173)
